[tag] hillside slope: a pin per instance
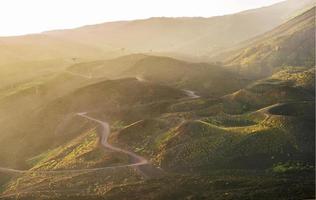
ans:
(289, 84)
(55, 121)
(291, 44)
(206, 79)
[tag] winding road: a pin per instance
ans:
(138, 162)
(105, 132)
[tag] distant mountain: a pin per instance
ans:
(45, 47)
(189, 36)
(182, 37)
(291, 44)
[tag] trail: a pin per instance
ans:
(191, 94)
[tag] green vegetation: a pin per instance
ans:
(280, 87)
(291, 44)
(282, 168)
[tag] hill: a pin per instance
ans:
(56, 116)
(206, 79)
(291, 44)
(289, 84)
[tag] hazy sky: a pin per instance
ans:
(31, 16)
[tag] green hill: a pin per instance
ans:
(291, 44)
(289, 84)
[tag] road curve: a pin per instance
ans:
(104, 141)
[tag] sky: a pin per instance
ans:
(18, 17)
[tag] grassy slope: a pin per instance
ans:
(289, 84)
(291, 44)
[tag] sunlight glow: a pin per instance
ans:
(31, 16)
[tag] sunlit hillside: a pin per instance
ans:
(291, 44)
